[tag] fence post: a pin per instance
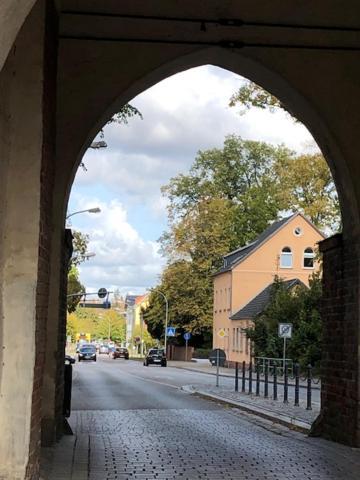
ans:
(297, 385)
(266, 386)
(275, 395)
(236, 376)
(250, 378)
(308, 396)
(243, 376)
(257, 378)
(286, 383)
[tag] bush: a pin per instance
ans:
(202, 353)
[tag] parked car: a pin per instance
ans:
(87, 352)
(104, 349)
(120, 352)
(155, 356)
(69, 359)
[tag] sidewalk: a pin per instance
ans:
(276, 411)
(204, 366)
(297, 418)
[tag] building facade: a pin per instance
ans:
(286, 249)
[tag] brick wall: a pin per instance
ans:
(339, 418)
(47, 179)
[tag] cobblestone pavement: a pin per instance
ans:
(194, 444)
(274, 408)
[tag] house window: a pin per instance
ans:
(286, 259)
(309, 258)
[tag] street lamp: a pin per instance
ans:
(85, 255)
(89, 210)
(166, 311)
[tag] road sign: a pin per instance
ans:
(102, 292)
(170, 331)
(285, 330)
(222, 333)
(215, 354)
(187, 336)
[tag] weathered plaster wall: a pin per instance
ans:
(21, 127)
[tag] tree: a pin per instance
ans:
(306, 185)
(75, 289)
(113, 323)
(251, 95)
(80, 244)
(238, 181)
(301, 306)
(305, 181)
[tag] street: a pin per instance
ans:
(133, 422)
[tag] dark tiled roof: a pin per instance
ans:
(258, 304)
(235, 257)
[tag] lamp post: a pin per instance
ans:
(88, 210)
(166, 312)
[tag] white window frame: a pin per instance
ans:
(309, 255)
(286, 255)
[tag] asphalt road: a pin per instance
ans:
(126, 384)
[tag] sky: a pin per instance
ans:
(183, 114)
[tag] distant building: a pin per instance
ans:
(241, 287)
(134, 305)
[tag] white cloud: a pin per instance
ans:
(123, 259)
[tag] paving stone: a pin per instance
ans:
(193, 444)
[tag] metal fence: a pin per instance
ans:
(270, 374)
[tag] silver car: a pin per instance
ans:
(104, 349)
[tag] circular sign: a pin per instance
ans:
(102, 292)
(187, 335)
(215, 354)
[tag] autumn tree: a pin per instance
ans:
(304, 180)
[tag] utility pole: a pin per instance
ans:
(141, 334)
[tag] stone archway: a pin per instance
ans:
(94, 78)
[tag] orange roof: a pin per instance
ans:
(140, 298)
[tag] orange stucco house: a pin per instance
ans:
(285, 249)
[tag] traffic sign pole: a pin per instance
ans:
(217, 367)
(284, 355)
(186, 345)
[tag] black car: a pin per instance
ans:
(87, 352)
(155, 356)
(120, 352)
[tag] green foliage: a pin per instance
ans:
(251, 95)
(110, 322)
(74, 287)
(305, 181)
(299, 306)
(122, 116)
(80, 243)
(308, 187)
(98, 323)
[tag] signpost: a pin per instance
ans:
(102, 292)
(217, 356)
(187, 336)
(170, 331)
(285, 331)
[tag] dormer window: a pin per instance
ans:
(286, 259)
(309, 256)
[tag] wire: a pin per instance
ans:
(226, 22)
(221, 43)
